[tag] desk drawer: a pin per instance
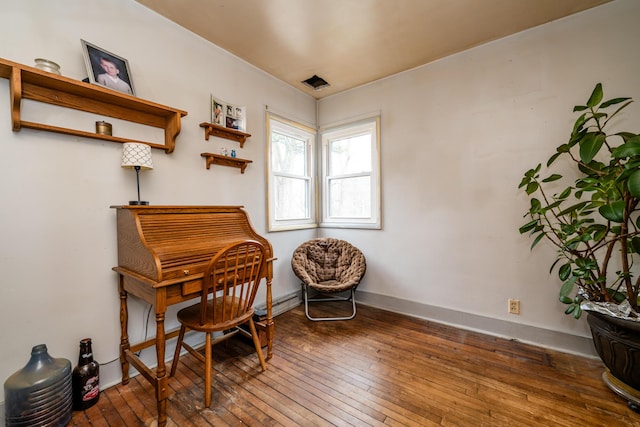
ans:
(192, 287)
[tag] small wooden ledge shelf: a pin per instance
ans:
(222, 132)
(34, 84)
(217, 159)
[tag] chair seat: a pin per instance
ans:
(190, 316)
(331, 286)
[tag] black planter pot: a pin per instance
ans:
(617, 342)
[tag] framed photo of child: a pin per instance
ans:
(217, 112)
(107, 69)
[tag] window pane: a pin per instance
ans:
(350, 155)
(291, 196)
(288, 154)
(350, 197)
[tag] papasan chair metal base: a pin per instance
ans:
(328, 266)
(351, 297)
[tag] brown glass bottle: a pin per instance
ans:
(85, 378)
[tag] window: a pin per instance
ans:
(290, 175)
(350, 176)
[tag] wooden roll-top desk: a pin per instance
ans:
(162, 253)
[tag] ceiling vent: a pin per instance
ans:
(315, 82)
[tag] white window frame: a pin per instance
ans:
(374, 219)
(305, 133)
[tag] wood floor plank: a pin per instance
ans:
(122, 409)
(327, 396)
(393, 413)
(133, 401)
(379, 369)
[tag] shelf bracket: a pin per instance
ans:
(16, 97)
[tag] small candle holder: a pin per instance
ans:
(103, 128)
(47, 65)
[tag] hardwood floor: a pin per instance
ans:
(379, 369)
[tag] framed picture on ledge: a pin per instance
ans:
(107, 69)
(227, 115)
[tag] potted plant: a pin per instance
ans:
(591, 214)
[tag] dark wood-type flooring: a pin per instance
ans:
(379, 369)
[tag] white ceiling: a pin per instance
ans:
(353, 42)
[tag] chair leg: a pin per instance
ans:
(256, 342)
(176, 355)
(207, 371)
(316, 319)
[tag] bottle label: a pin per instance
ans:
(91, 389)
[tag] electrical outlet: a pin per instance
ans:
(514, 306)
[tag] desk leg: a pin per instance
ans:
(269, 321)
(124, 335)
(162, 385)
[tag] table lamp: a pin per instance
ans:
(137, 156)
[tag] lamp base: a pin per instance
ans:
(138, 203)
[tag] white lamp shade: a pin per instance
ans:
(136, 154)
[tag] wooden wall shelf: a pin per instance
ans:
(217, 159)
(222, 132)
(31, 83)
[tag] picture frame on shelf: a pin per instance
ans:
(217, 113)
(228, 115)
(107, 69)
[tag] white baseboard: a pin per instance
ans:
(555, 340)
(283, 303)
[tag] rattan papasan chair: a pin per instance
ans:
(330, 267)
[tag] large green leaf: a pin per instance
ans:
(532, 172)
(633, 184)
(565, 271)
(553, 177)
(537, 239)
(553, 159)
(635, 244)
(613, 211)
(626, 136)
(565, 300)
(532, 187)
(577, 126)
(577, 312)
(528, 226)
(633, 139)
(535, 205)
(554, 204)
(600, 233)
(622, 107)
(573, 208)
(629, 149)
(612, 102)
(590, 145)
(566, 193)
(525, 181)
(596, 96)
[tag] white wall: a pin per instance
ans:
(457, 136)
(58, 237)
